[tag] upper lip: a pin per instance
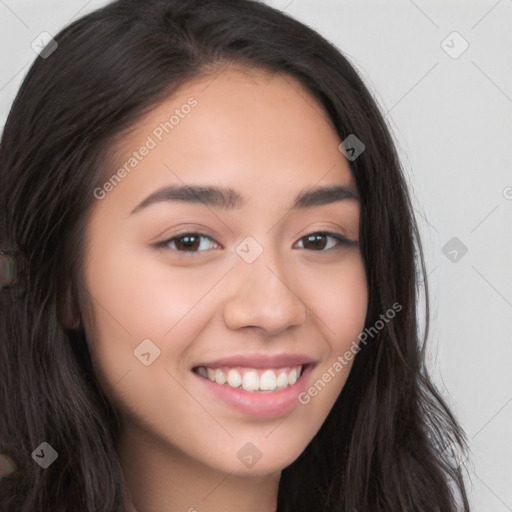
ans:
(260, 361)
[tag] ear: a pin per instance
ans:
(68, 310)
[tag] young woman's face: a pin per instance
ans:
(254, 291)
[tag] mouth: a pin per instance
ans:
(253, 380)
(259, 385)
(263, 390)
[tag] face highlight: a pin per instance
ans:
(197, 283)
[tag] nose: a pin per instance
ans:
(264, 294)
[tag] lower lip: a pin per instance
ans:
(261, 404)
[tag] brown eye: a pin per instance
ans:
(318, 241)
(185, 242)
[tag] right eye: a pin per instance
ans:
(187, 242)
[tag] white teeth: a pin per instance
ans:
(268, 380)
(234, 378)
(220, 378)
(251, 380)
(282, 380)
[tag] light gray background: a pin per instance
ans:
(452, 121)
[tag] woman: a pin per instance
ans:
(216, 272)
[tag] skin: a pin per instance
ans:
(267, 137)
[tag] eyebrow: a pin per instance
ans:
(229, 199)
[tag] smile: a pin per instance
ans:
(258, 392)
(252, 379)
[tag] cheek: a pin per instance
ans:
(136, 298)
(338, 297)
(139, 308)
(339, 300)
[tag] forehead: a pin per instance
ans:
(257, 100)
(241, 126)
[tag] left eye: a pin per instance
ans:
(191, 242)
(317, 239)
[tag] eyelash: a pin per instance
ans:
(341, 239)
